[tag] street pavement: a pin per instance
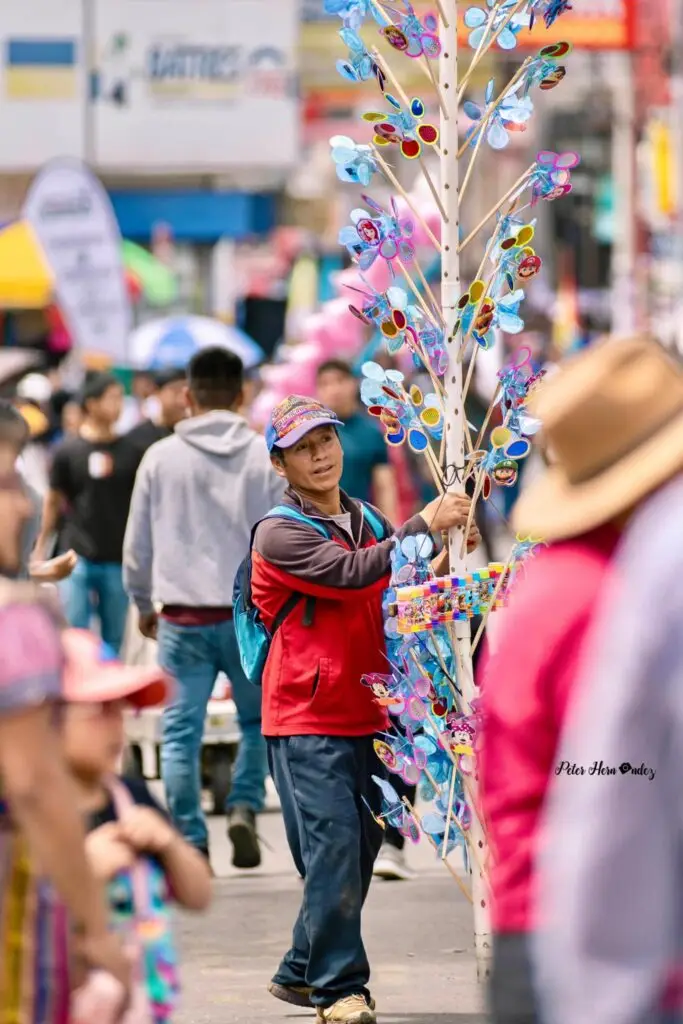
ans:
(418, 935)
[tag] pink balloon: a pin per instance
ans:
(428, 212)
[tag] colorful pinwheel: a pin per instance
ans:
(544, 70)
(353, 162)
(551, 178)
(406, 416)
(403, 128)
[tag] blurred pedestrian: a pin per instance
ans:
(132, 846)
(91, 483)
(170, 394)
(334, 552)
(604, 416)
(15, 435)
(39, 822)
(368, 474)
(611, 878)
(198, 494)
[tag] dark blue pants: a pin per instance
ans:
(321, 782)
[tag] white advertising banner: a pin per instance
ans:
(195, 86)
(42, 82)
(74, 222)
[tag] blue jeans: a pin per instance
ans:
(321, 781)
(97, 588)
(195, 655)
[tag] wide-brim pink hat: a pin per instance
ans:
(93, 673)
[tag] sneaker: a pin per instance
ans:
(351, 1010)
(246, 852)
(298, 995)
(391, 865)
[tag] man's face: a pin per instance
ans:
(314, 464)
(15, 509)
(109, 407)
(173, 402)
(338, 391)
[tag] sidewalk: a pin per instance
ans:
(418, 933)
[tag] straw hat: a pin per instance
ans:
(613, 419)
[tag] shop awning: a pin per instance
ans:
(25, 278)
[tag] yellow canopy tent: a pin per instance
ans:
(25, 278)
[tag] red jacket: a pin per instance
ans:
(526, 685)
(312, 679)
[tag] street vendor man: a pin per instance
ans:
(318, 719)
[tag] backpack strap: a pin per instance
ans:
(374, 522)
(287, 512)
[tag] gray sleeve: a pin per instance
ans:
(138, 546)
(610, 868)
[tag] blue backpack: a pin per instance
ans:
(253, 639)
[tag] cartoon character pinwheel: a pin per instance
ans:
(551, 178)
(377, 234)
(409, 35)
(501, 463)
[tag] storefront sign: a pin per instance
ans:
(206, 87)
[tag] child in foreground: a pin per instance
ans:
(132, 846)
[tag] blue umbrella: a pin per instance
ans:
(174, 340)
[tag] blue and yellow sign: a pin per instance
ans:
(41, 69)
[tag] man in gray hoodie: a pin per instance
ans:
(197, 496)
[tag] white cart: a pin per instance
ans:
(219, 746)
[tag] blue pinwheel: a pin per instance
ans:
(354, 12)
(511, 115)
(409, 35)
(550, 10)
(483, 22)
(359, 66)
(353, 162)
(394, 812)
(435, 822)
(506, 316)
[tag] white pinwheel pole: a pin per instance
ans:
(455, 422)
